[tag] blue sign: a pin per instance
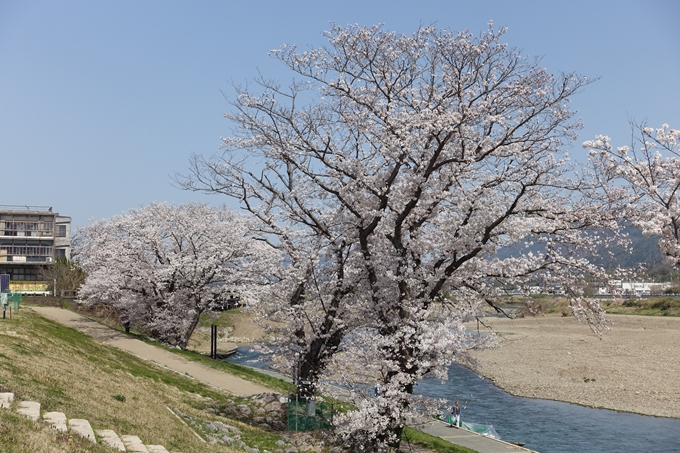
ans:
(4, 282)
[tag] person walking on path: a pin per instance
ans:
(455, 415)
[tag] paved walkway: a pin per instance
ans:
(160, 356)
(471, 439)
(235, 384)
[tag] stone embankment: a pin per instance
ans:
(267, 411)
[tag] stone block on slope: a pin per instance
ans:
(6, 400)
(110, 438)
(134, 443)
(30, 409)
(57, 420)
(82, 428)
(156, 449)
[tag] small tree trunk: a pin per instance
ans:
(318, 352)
(186, 335)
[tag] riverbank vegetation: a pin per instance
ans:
(543, 304)
(653, 306)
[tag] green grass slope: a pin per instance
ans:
(69, 372)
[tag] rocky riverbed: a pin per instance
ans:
(634, 367)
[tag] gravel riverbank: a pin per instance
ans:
(635, 367)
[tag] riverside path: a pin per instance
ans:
(159, 356)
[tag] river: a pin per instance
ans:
(545, 426)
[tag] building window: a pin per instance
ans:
(22, 273)
(61, 231)
(31, 229)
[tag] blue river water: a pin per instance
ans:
(545, 426)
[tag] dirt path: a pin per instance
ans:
(635, 367)
(154, 354)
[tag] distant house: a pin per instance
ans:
(556, 291)
(31, 238)
(621, 288)
(643, 288)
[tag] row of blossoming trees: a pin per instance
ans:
(378, 187)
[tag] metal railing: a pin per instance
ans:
(307, 414)
(13, 207)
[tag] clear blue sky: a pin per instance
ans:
(101, 101)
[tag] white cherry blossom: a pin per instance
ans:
(162, 266)
(650, 172)
(391, 171)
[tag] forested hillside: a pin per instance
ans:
(642, 251)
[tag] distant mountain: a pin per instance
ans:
(644, 251)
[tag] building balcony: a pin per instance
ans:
(26, 234)
(14, 259)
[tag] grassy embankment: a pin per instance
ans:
(69, 372)
(653, 306)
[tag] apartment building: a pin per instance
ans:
(31, 238)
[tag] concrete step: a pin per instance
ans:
(157, 449)
(6, 400)
(110, 438)
(30, 409)
(82, 428)
(134, 443)
(57, 420)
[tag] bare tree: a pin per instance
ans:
(67, 275)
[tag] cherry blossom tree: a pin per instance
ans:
(390, 173)
(162, 266)
(650, 171)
